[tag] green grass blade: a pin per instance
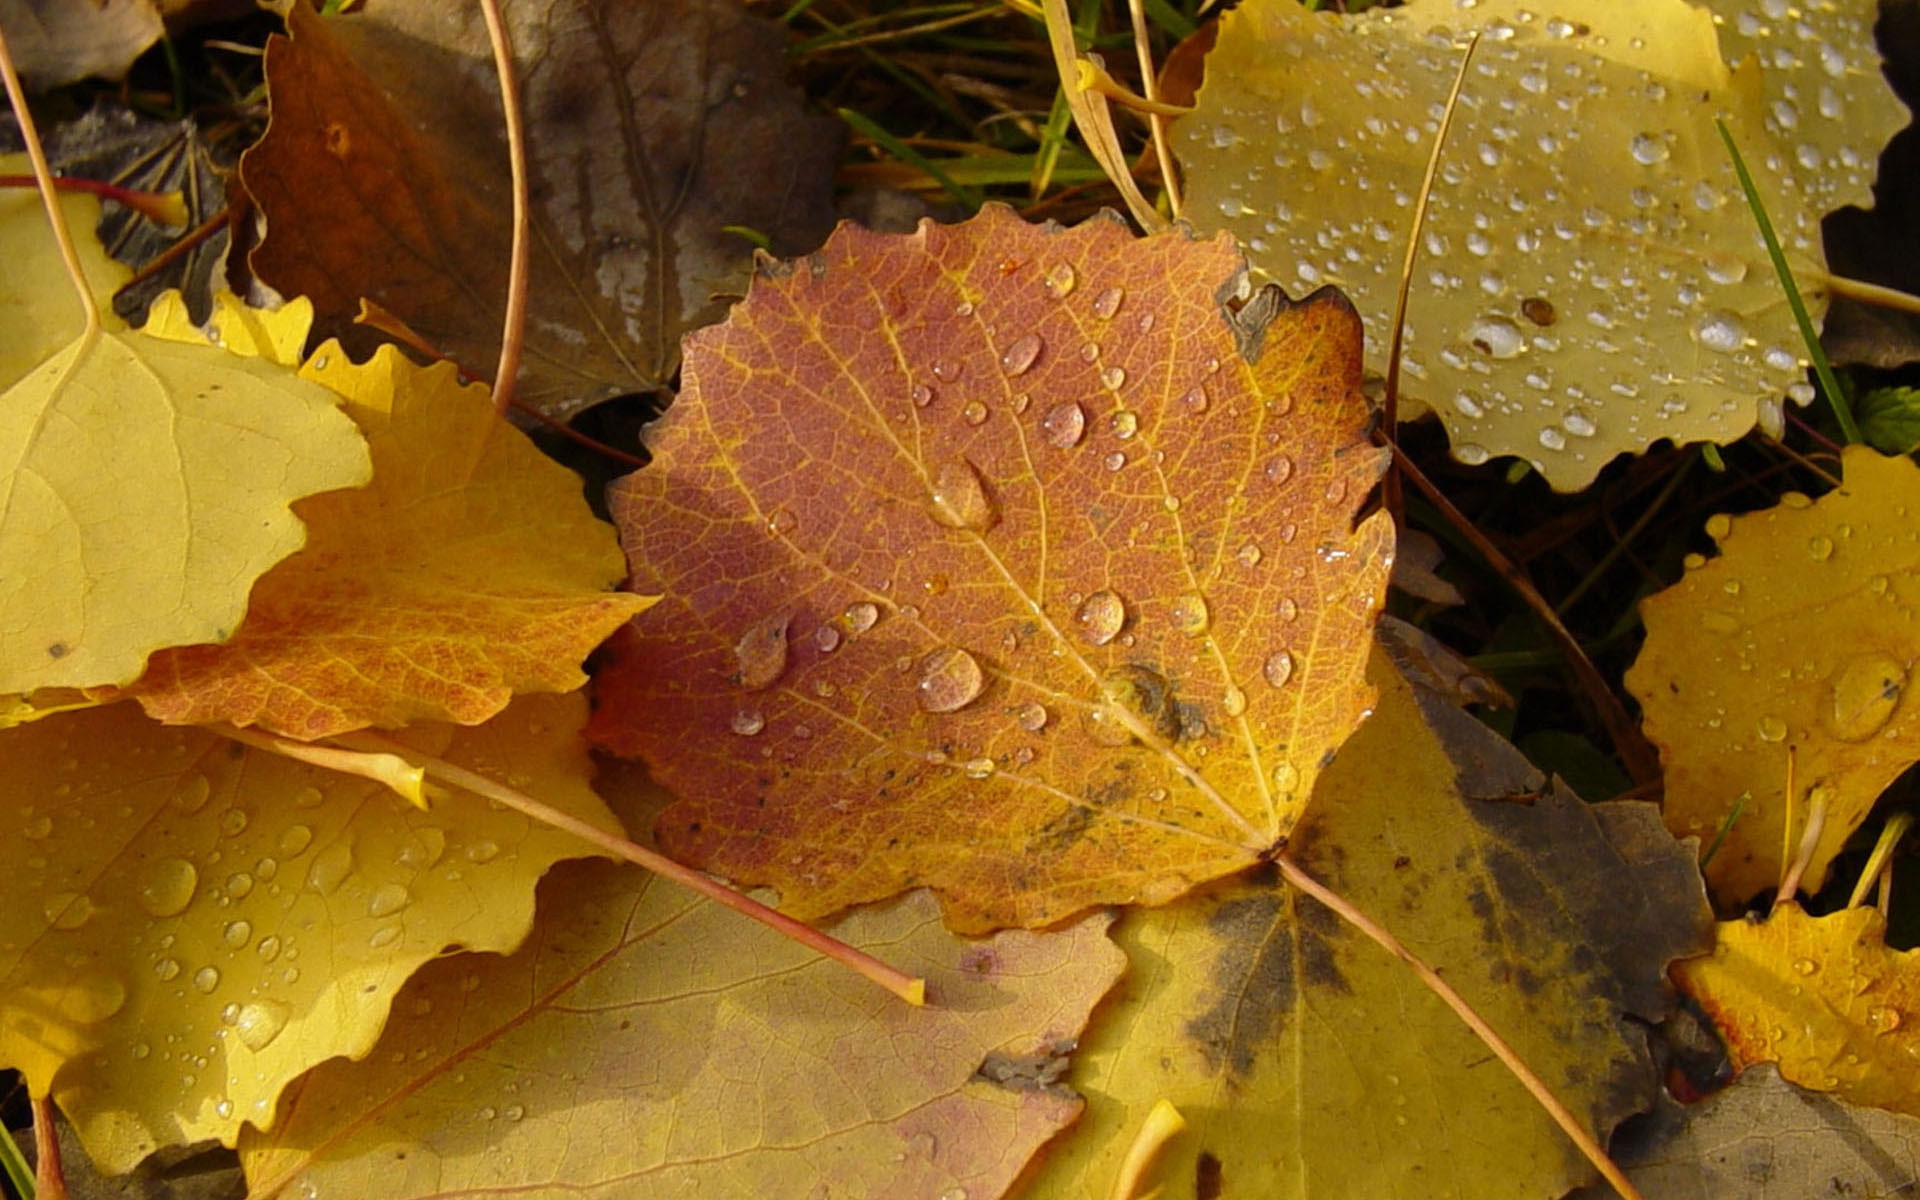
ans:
(19, 1174)
(907, 154)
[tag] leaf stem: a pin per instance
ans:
(49, 1174)
(908, 988)
(1156, 122)
(43, 175)
(1878, 295)
(168, 208)
(1569, 1124)
(515, 321)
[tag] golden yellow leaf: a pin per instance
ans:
(1797, 637)
(192, 924)
(144, 483)
(1310, 1063)
(35, 321)
(649, 1043)
(1822, 996)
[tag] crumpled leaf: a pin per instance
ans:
(1821, 996)
(144, 480)
(192, 924)
(1591, 279)
(438, 592)
(649, 1043)
(1765, 1139)
(1798, 635)
(990, 565)
(651, 127)
(1310, 1063)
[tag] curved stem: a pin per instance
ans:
(43, 175)
(515, 322)
(1869, 293)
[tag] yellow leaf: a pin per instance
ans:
(144, 484)
(648, 1043)
(1799, 637)
(1822, 996)
(192, 924)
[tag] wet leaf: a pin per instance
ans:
(649, 1043)
(1073, 604)
(437, 592)
(207, 447)
(1797, 636)
(1591, 280)
(1308, 1062)
(193, 924)
(1821, 996)
(651, 128)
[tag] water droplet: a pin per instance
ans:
(383, 937)
(387, 899)
(1578, 424)
(1863, 692)
(309, 797)
(1288, 609)
(1113, 377)
(268, 948)
(1720, 330)
(1132, 696)
(166, 968)
(1805, 966)
(978, 768)
(92, 998)
(1647, 150)
(1286, 779)
(239, 885)
(1235, 701)
(860, 617)
(1552, 439)
(827, 637)
(1772, 729)
(237, 934)
(1107, 303)
(1061, 280)
(168, 887)
(950, 679)
(761, 653)
(1195, 401)
(748, 721)
(206, 979)
(920, 394)
(1124, 424)
(67, 910)
(233, 822)
(975, 413)
(1189, 614)
(781, 522)
(1278, 668)
(294, 840)
(1064, 424)
(1101, 617)
(1279, 469)
(192, 793)
(1019, 357)
(1248, 556)
(1496, 337)
(946, 372)
(1882, 1019)
(1819, 547)
(1114, 461)
(331, 866)
(1032, 717)
(260, 1022)
(959, 499)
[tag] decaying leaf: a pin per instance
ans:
(1591, 279)
(1798, 636)
(193, 924)
(144, 480)
(469, 570)
(1765, 1139)
(651, 128)
(649, 1043)
(55, 42)
(1310, 1063)
(990, 564)
(1821, 996)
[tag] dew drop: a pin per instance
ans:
(1032, 717)
(974, 413)
(167, 969)
(1279, 469)
(1496, 337)
(237, 934)
(294, 840)
(1019, 357)
(383, 937)
(1805, 966)
(1061, 280)
(959, 499)
(1101, 617)
(1234, 701)
(192, 793)
(67, 910)
(1552, 438)
(1862, 694)
(860, 617)
(1882, 1019)
(239, 885)
(1248, 556)
(260, 1022)
(946, 372)
(1278, 668)
(1124, 424)
(1114, 461)
(1113, 377)
(387, 899)
(168, 887)
(1288, 609)
(827, 638)
(38, 829)
(1720, 330)
(330, 868)
(1107, 303)
(781, 522)
(748, 721)
(1772, 729)
(978, 768)
(950, 679)
(1190, 615)
(1195, 401)
(309, 797)
(206, 979)
(1726, 269)
(1064, 424)
(920, 394)
(1648, 150)
(92, 998)
(1819, 547)
(761, 653)
(1286, 779)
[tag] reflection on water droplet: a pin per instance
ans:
(860, 617)
(1882, 1019)
(761, 653)
(294, 840)
(237, 934)
(1124, 424)
(1495, 337)
(168, 887)
(1101, 617)
(950, 679)
(1772, 729)
(1720, 330)
(1019, 357)
(1064, 424)
(978, 768)
(1805, 966)
(1032, 717)
(206, 979)
(387, 899)
(1195, 401)
(748, 721)
(330, 867)
(959, 499)
(1060, 280)
(1113, 378)
(67, 910)
(1189, 614)
(975, 413)
(1819, 547)
(1862, 694)
(1107, 303)
(260, 1022)
(1279, 468)
(1278, 668)
(1248, 556)
(1235, 701)
(192, 793)
(1286, 779)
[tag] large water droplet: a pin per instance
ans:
(1279, 468)
(260, 1022)
(1862, 694)
(1064, 424)
(1496, 337)
(860, 617)
(1648, 150)
(1019, 357)
(1101, 617)
(1720, 330)
(1772, 729)
(331, 866)
(1189, 614)
(761, 653)
(950, 679)
(1278, 668)
(192, 793)
(959, 499)
(92, 998)
(1882, 1019)
(1107, 303)
(168, 887)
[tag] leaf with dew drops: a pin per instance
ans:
(1590, 280)
(1075, 605)
(1797, 636)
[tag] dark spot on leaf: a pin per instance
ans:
(1040, 1071)
(57, 650)
(1538, 310)
(1206, 1177)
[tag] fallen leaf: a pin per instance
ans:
(1765, 1139)
(1821, 996)
(57, 42)
(1889, 419)
(471, 569)
(208, 448)
(646, 1042)
(1591, 280)
(651, 129)
(36, 320)
(1797, 637)
(193, 924)
(989, 564)
(1310, 1063)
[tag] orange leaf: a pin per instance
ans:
(991, 564)
(437, 592)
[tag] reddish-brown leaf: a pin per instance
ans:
(992, 565)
